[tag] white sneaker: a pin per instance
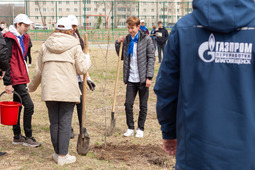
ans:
(55, 157)
(29, 65)
(68, 159)
(129, 132)
(139, 133)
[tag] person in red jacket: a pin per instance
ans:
(16, 77)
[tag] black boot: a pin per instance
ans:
(2, 153)
(72, 134)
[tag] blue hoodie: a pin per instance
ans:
(206, 86)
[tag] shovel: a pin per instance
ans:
(113, 120)
(83, 138)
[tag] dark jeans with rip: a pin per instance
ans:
(132, 90)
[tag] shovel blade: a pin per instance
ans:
(112, 127)
(83, 142)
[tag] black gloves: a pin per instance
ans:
(91, 84)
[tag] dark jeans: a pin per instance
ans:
(160, 48)
(29, 55)
(154, 43)
(79, 105)
(60, 115)
(28, 110)
(132, 89)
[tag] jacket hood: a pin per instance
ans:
(13, 30)
(60, 42)
(224, 15)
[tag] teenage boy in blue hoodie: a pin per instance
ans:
(205, 87)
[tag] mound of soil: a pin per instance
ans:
(133, 154)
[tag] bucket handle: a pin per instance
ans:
(14, 92)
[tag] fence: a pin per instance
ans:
(93, 35)
(95, 14)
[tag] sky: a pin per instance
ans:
(16, 2)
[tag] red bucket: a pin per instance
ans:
(9, 111)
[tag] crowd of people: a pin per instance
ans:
(204, 87)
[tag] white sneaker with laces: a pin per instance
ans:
(139, 133)
(68, 159)
(129, 132)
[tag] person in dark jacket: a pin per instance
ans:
(29, 53)
(153, 36)
(205, 87)
(17, 77)
(138, 70)
(4, 65)
(162, 35)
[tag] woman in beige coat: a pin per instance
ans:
(60, 60)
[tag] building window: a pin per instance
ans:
(52, 17)
(36, 9)
(95, 9)
(52, 2)
(178, 10)
(36, 17)
(75, 2)
(95, 2)
(67, 2)
(87, 2)
(152, 17)
(123, 24)
(67, 9)
(52, 9)
(87, 9)
(44, 9)
(36, 3)
(152, 10)
(44, 3)
(104, 9)
(60, 9)
(75, 10)
(59, 2)
(144, 10)
(121, 9)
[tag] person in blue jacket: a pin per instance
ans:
(205, 87)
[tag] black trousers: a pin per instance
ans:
(132, 90)
(28, 110)
(79, 105)
(29, 56)
(160, 50)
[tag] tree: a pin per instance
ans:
(39, 4)
(99, 21)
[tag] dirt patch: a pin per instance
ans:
(133, 154)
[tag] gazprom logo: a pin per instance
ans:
(225, 52)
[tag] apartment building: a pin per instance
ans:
(111, 13)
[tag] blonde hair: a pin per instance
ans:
(68, 32)
(133, 21)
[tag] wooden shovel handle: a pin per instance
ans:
(117, 78)
(84, 85)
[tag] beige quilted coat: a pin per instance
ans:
(59, 61)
